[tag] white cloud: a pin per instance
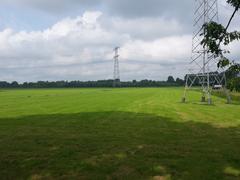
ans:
(77, 46)
(163, 50)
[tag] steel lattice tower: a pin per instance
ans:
(116, 75)
(203, 66)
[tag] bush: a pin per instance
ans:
(234, 84)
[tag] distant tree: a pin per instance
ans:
(170, 79)
(4, 84)
(180, 81)
(14, 84)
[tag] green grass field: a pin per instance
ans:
(117, 134)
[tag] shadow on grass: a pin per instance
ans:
(116, 145)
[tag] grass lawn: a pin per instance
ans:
(117, 134)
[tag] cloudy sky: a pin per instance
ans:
(74, 39)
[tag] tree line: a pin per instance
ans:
(233, 83)
(171, 82)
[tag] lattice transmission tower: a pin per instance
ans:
(203, 69)
(116, 74)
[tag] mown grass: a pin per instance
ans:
(117, 134)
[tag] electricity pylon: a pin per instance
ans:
(116, 75)
(203, 66)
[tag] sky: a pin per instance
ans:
(53, 40)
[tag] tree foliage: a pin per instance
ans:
(170, 79)
(234, 84)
